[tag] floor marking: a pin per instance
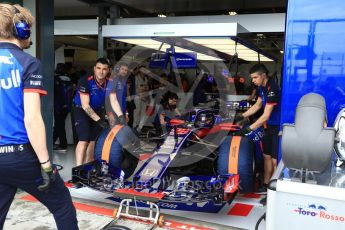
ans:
(240, 209)
(252, 195)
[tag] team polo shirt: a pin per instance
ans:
(96, 92)
(19, 73)
(270, 95)
(120, 88)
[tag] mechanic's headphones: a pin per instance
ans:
(21, 29)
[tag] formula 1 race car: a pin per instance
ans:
(198, 166)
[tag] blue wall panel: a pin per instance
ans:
(314, 58)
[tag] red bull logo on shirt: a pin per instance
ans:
(6, 60)
(10, 82)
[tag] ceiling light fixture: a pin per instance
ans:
(156, 45)
(232, 13)
(224, 45)
(161, 15)
(227, 45)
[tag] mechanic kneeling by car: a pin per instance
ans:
(166, 111)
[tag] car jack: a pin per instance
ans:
(153, 216)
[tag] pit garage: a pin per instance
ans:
(174, 175)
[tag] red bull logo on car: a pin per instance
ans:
(318, 211)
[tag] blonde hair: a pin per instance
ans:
(8, 17)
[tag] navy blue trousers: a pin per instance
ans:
(21, 169)
(59, 127)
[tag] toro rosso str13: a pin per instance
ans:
(197, 165)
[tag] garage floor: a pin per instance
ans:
(26, 213)
(32, 215)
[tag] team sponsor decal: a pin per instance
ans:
(35, 83)
(11, 148)
(150, 172)
(319, 211)
(82, 89)
(119, 85)
(6, 149)
(271, 94)
(168, 205)
(36, 76)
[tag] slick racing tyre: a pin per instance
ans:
(116, 227)
(241, 150)
(116, 145)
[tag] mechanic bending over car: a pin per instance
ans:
(268, 98)
(167, 110)
(24, 158)
(89, 109)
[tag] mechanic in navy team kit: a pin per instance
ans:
(89, 109)
(117, 97)
(268, 98)
(24, 158)
(63, 95)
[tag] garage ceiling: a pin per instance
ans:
(172, 6)
(140, 8)
(73, 9)
(272, 43)
(68, 3)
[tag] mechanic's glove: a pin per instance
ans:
(243, 132)
(238, 118)
(167, 119)
(122, 120)
(48, 176)
(102, 123)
